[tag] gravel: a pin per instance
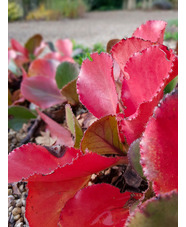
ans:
(17, 194)
(92, 28)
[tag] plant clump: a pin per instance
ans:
(102, 149)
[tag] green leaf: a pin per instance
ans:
(102, 137)
(66, 72)
(17, 115)
(134, 157)
(171, 85)
(33, 43)
(70, 92)
(73, 126)
(161, 211)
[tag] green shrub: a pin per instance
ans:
(15, 12)
(43, 14)
(68, 8)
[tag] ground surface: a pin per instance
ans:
(94, 27)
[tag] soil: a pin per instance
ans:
(92, 28)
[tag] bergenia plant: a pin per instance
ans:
(45, 76)
(136, 130)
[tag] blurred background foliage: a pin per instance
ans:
(58, 9)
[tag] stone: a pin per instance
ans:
(19, 203)
(19, 224)
(16, 217)
(21, 188)
(16, 211)
(19, 220)
(11, 219)
(9, 191)
(11, 200)
(22, 210)
(10, 208)
(23, 202)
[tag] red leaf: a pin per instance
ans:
(19, 48)
(46, 199)
(64, 46)
(95, 85)
(63, 135)
(42, 91)
(152, 30)
(148, 82)
(131, 128)
(28, 159)
(42, 67)
(145, 79)
(159, 146)
(126, 48)
(51, 186)
(97, 205)
(58, 57)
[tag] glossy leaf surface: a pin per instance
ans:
(42, 67)
(101, 205)
(161, 211)
(95, 85)
(70, 92)
(62, 134)
(17, 115)
(42, 91)
(124, 49)
(66, 72)
(159, 146)
(64, 46)
(102, 137)
(152, 30)
(73, 126)
(33, 43)
(134, 156)
(52, 181)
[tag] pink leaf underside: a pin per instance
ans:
(95, 85)
(62, 134)
(18, 47)
(42, 91)
(124, 49)
(159, 145)
(96, 205)
(152, 30)
(58, 57)
(64, 46)
(51, 186)
(42, 67)
(31, 158)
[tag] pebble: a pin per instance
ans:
(17, 217)
(19, 220)
(19, 203)
(10, 208)
(11, 201)
(9, 191)
(19, 224)
(22, 210)
(21, 188)
(11, 219)
(16, 211)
